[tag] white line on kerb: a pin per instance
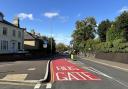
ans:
(37, 86)
(46, 73)
(49, 85)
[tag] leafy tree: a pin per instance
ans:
(113, 34)
(103, 28)
(85, 30)
(122, 23)
(61, 47)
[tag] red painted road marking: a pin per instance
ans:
(66, 71)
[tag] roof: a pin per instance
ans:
(8, 23)
(1, 14)
(29, 36)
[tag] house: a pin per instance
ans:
(11, 36)
(32, 41)
(36, 44)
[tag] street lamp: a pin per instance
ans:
(51, 34)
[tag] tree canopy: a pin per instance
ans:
(103, 27)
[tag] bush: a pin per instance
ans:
(114, 34)
(116, 46)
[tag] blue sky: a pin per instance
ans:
(59, 15)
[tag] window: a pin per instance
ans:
(4, 31)
(14, 33)
(19, 34)
(4, 45)
(19, 45)
(1, 45)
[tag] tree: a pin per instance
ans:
(61, 47)
(85, 30)
(103, 28)
(113, 34)
(122, 23)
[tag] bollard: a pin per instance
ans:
(72, 56)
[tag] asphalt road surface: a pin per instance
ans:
(22, 74)
(96, 76)
(65, 74)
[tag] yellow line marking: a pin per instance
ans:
(52, 73)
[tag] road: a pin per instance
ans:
(99, 76)
(22, 74)
(65, 74)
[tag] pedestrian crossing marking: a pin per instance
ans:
(31, 69)
(15, 77)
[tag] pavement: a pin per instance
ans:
(86, 74)
(117, 65)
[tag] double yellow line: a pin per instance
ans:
(52, 72)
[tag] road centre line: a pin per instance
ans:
(97, 71)
(105, 75)
(108, 65)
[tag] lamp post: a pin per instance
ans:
(51, 33)
(51, 15)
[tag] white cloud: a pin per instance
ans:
(51, 14)
(125, 8)
(23, 16)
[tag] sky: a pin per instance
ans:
(58, 17)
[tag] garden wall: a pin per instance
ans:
(118, 57)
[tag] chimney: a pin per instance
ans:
(16, 21)
(33, 32)
(1, 16)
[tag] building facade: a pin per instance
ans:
(32, 41)
(11, 36)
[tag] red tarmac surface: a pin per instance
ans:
(62, 70)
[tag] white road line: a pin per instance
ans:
(46, 73)
(31, 69)
(49, 85)
(15, 77)
(109, 65)
(98, 72)
(37, 86)
(121, 83)
(105, 75)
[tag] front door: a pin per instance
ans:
(13, 47)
